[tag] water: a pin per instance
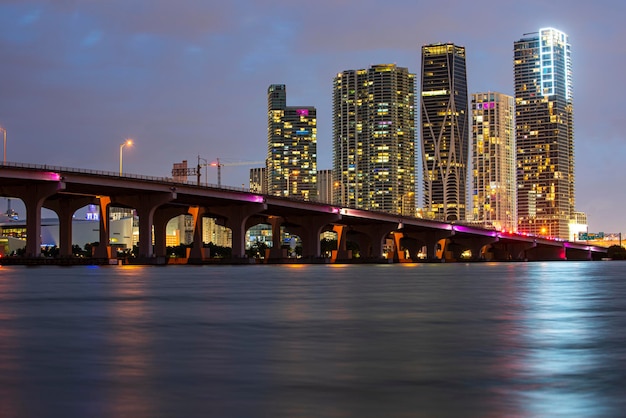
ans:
(432, 340)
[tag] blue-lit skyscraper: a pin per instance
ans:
(544, 133)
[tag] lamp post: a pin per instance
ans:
(206, 170)
(128, 142)
(4, 159)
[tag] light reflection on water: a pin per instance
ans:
(489, 340)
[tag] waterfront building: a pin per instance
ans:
(544, 133)
(445, 131)
(493, 161)
(374, 139)
(291, 147)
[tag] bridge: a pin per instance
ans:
(158, 200)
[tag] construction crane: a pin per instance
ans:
(219, 166)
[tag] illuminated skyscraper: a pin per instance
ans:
(493, 161)
(544, 133)
(445, 134)
(374, 139)
(291, 147)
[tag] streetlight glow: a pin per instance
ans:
(128, 142)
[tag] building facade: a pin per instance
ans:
(544, 133)
(291, 147)
(258, 180)
(494, 203)
(374, 139)
(445, 131)
(325, 186)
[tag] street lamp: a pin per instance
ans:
(4, 160)
(128, 142)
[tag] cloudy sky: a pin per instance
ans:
(188, 78)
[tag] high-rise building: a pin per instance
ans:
(291, 147)
(494, 203)
(544, 133)
(445, 131)
(258, 180)
(374, 139)
(325, 186)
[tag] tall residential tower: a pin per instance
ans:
(445, 131)
(493, 161)
(291, 147)
(374, 139)
(544, 133)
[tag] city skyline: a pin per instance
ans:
(78, 78)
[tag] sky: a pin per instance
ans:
(188, 78)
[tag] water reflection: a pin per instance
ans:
(131, 368)
(10, 369)
(488, 340)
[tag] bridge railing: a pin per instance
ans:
(75, 170)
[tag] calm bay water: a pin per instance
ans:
(432, 340)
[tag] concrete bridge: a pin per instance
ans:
(157, 200)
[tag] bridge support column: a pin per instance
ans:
(431, 239)
(475, 245)
(235, 219)
(377, 234)
(65, 207)
(103, 250)
(146, 204)
(197, 213)
(341, 253)
(33, 197)
(399, 255)
(161, 218)
(276, 251)
(309, 228)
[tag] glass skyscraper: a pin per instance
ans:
(445, 135)
(544, 133)
(374, 139)
(291, 147)
(494, 202)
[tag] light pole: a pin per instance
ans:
(4, 160)
(128, 142)
(206, 170)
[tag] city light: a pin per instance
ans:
(128, 142)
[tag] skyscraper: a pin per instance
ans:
(374, 139)
(291, 147)
(445, 135)
(544, 133)
(494, 202)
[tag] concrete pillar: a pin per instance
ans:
(341, 253)
(309, 228)
(197, 213)
(64, 207)
(161, 218)
(399, 255)
(431, 239)
(103, 250)
(235, 217)
(377, 234)
(33, 197)
(146, 204)
(276, 251)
